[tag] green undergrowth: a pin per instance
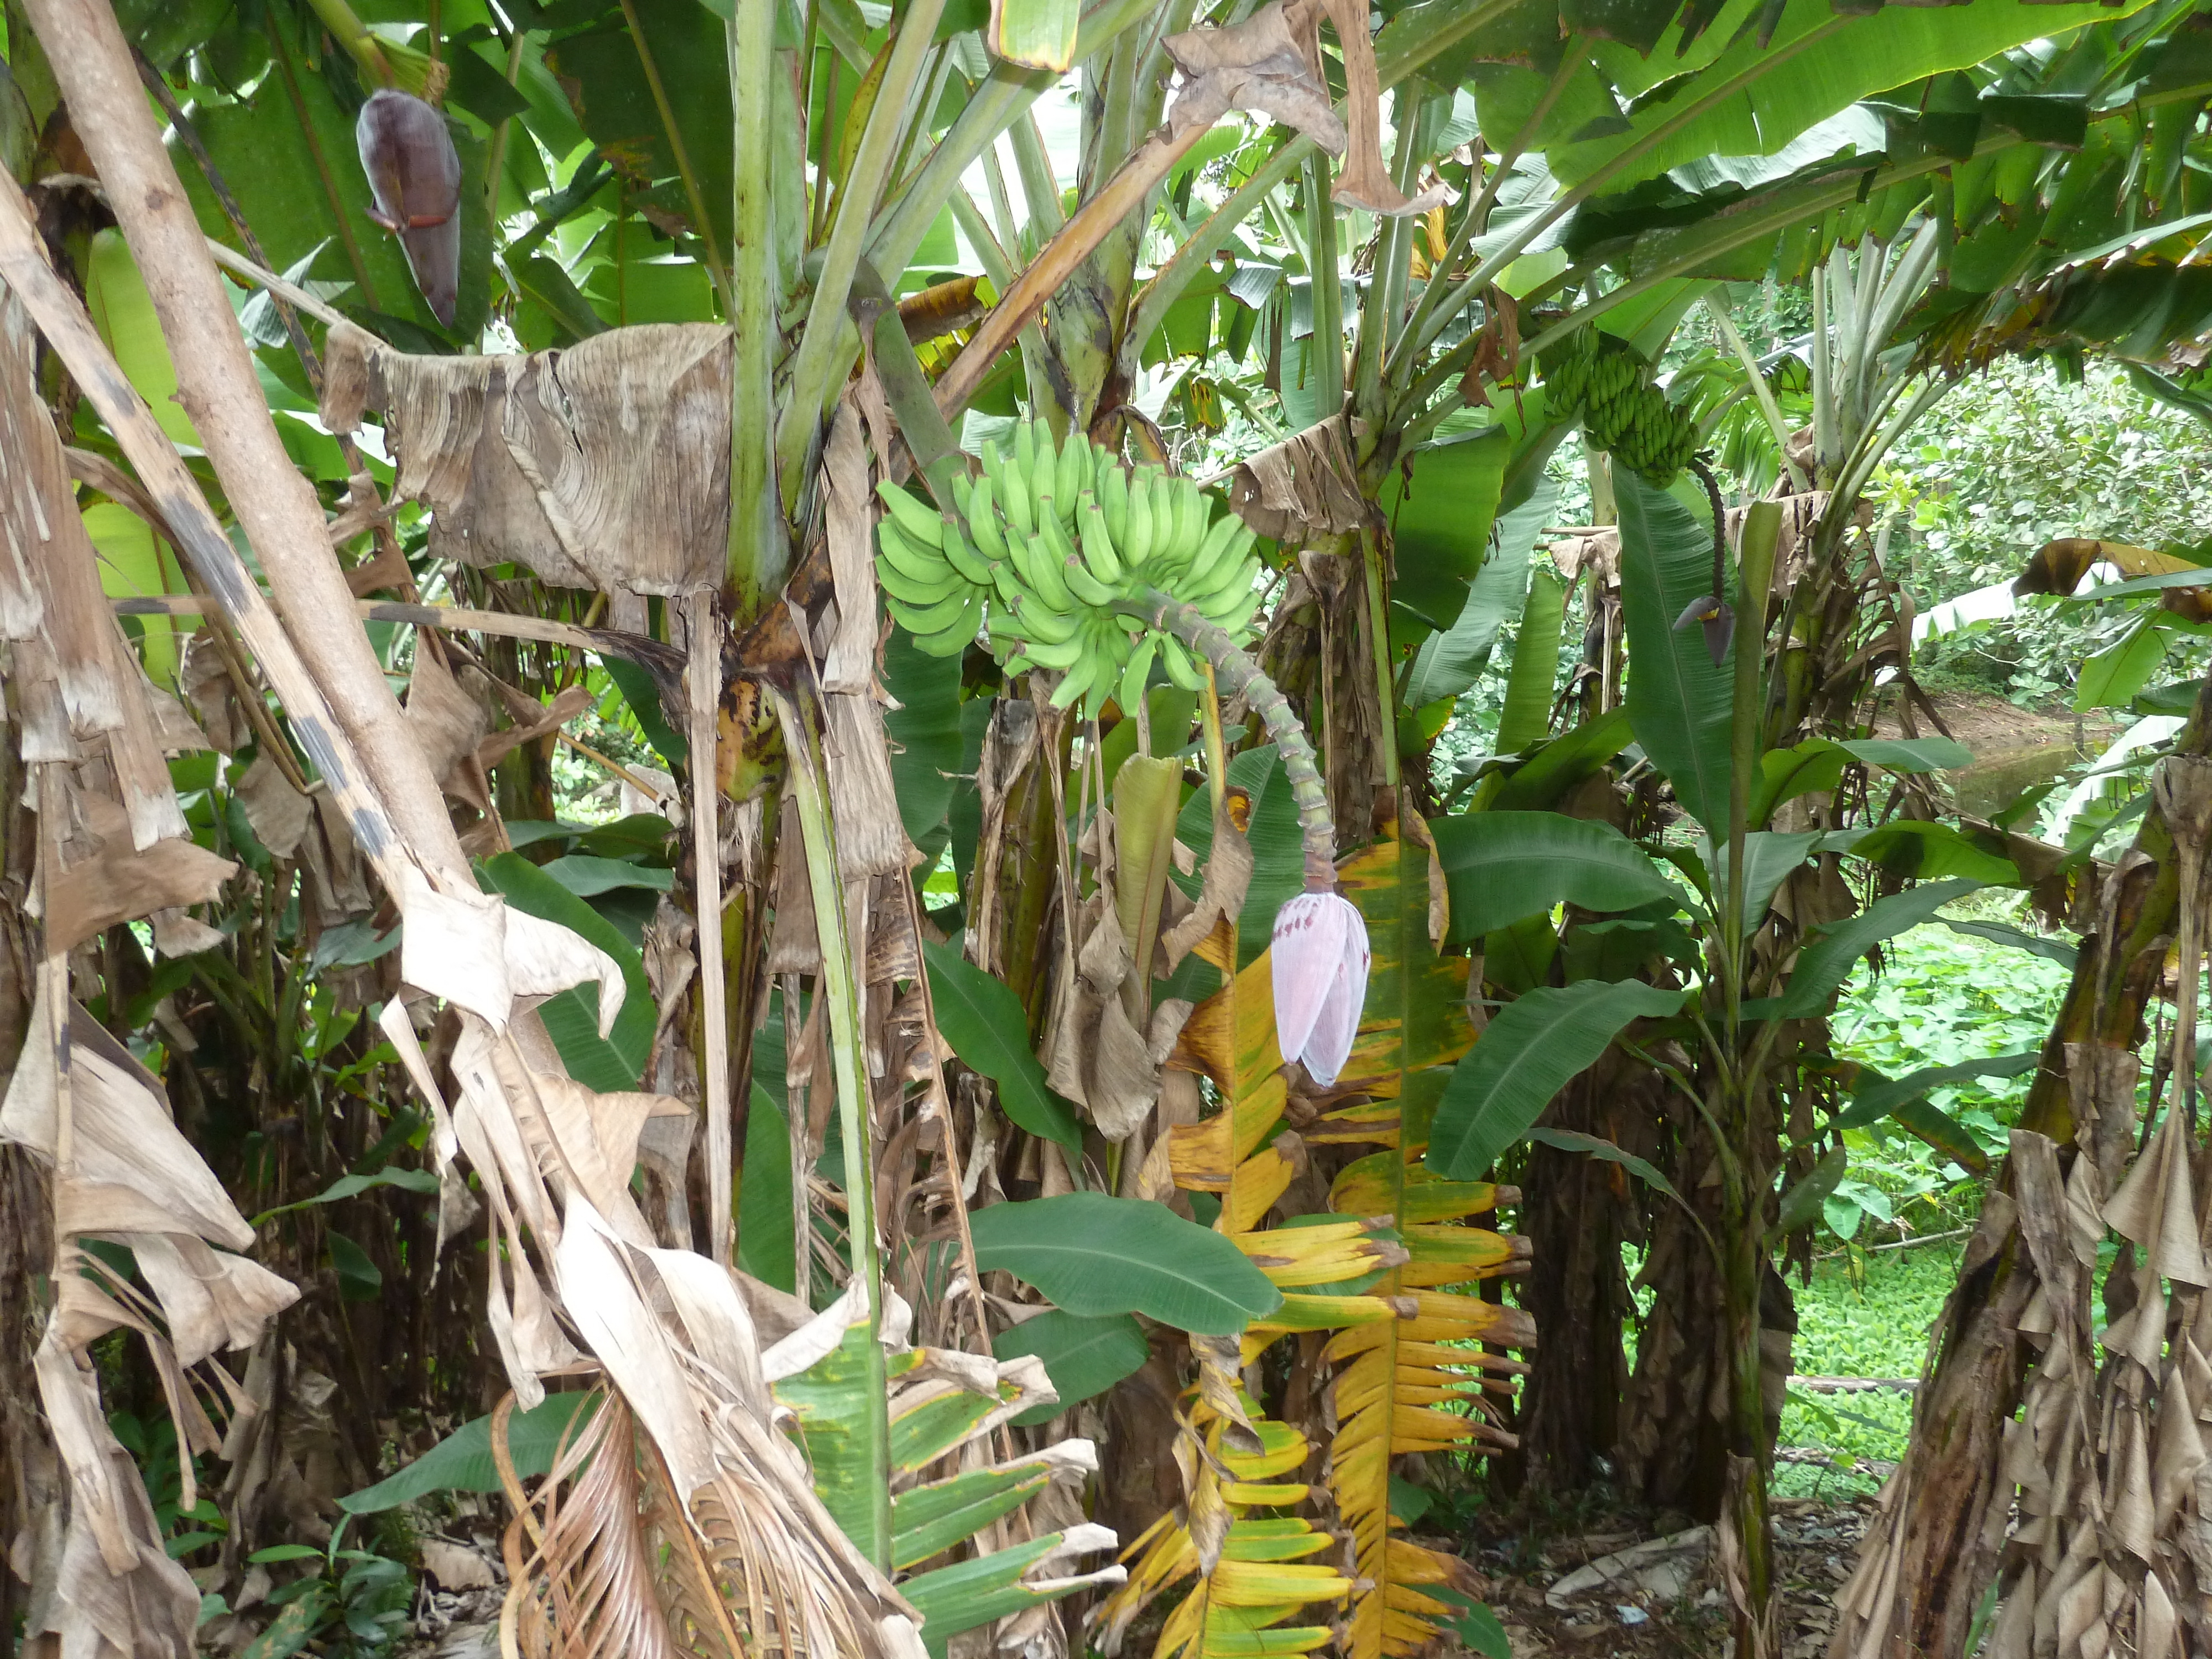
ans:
(1869, 1318)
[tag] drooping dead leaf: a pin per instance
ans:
(870, 839)
(118, 881)
(1302, 488)
(2058, 566)
(849, 665)
(448, 724)
(569, 703)
(277, 811)
(455, 1566)
(1228, 876)
(42, 532)
(942, 308)
(1270, 63)
(474, 949)
(128, 1173)
(205, 680)
(1095, 1056)
(605, 465)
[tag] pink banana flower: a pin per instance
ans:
(1319, 964)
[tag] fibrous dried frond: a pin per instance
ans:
(122, 1171)
(1303, 488)
(579, 1565)
(603, 466)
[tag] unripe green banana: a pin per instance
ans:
(1035, 620)
(1234, 579)
(1216, 550)
(1087, 588)
(1139, 672)
(1235, 596)
(1166, 517)
(1136, 547)
(1044, 480)
(1014, 496)
(1113, 502)
(908, 591)
(1075, 683)
(1025, 456)
(944, 614)
(1179, 668)
(1190, 518)
(964, 557)
(1099, 550)
(1074, 467)
(924, 527)
(1041, 573)
(956, 635)
(983, 520)
(1056, 653)
(917, 564)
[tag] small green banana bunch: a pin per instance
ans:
(1623, 410)
(1064, 546)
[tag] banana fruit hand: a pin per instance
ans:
(1607, 382)
(1047, 543)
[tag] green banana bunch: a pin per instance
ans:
(1607, 382)
(1051, 541)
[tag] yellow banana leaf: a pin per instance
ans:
(1257, 1574)
(1412, 1372)
(1415, 1382)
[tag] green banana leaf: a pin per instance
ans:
(1530, 1049)
(1827, 962)
(983, 1020)
(463, 1460)
(972, 1592)
(1093, 1254)
(611, 1063)
(1501, 866)
(1449, 663)
(1441, 508)
(1679, 700)
(1527, 714)
(1084, 1357)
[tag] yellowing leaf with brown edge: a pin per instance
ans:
(1400, 1389)
(1259, 1575)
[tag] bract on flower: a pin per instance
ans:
(1320, 968)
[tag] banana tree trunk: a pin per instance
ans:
(1584, 1210)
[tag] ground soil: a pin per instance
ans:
(1816, 1544)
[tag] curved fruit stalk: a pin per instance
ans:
(1321, 955)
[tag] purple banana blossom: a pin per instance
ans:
(1718, 619)
(1320, 960)
(415, 174)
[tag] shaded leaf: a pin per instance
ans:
(983, 1020)
(1083, 1357)
(1094, 1255)
(1503, 866)
(463, 1460)
(1679, 698)
(1525, 1057)
(1877, 1097)
(1827, 962)
(1573, 1141)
